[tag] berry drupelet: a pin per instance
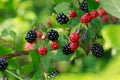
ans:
(66, 49)
(31, 36)
(52, 35)
(54, 45)
(86, 18)
(97, 50)
(74, 37)
(84, 6)
(62, 18)
(53, 73)
(3, 64)
(42, 50)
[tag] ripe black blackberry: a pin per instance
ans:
(52, 35)
(97, 50)
(66, 49)
(53, 73)
(62, 18)
(84, 6)
(3, 64)
(31, 36)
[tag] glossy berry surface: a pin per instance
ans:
(74, 46)
(31, 36)
(72, 14)
(84, 6)
(66, 49)
(3, 64)
(74, 37)
(86, 18)
(42, 50)
(62, 18)
(54, 45)
(97, 50)
(52, 35)
(94, 13)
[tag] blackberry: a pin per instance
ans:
(62, 18)
(3, 64)
(31, 36)
(54, 73)
(66, 49)
(84, 6)
(97, 50)
(52, 35)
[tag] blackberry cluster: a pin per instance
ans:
(66, 49)
(3, 64)
(97, 50)
(52, 35)
(53, 73)
(62, 18)
(31, 36)
(84, 6)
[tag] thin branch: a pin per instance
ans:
(15, 54)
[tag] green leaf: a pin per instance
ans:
(111, 35)
(4, 33)
(28, 68)
(111, 6)
(47, 59)
(96, 24)
(59, 1)
(12, 34)
(73, 22)
(38, 75)
(62, 8)
(62, 39)
(90, 34)
(35, 58)
(92, 5)
(59, 56)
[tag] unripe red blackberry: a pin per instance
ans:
(74, 37)
(42, 50)
(86, 18)
(66, 49)
(3, 64)
(102, 12)
(84, 6)
(94, 13)
(72, 14)
(62, 18)
(31, 36)
(54, 45)
(28, 46)
(97, 50)
(74, 46)
(52, 35)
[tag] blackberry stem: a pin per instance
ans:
(17, 53)
(13, 74)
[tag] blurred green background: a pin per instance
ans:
(19, 15)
